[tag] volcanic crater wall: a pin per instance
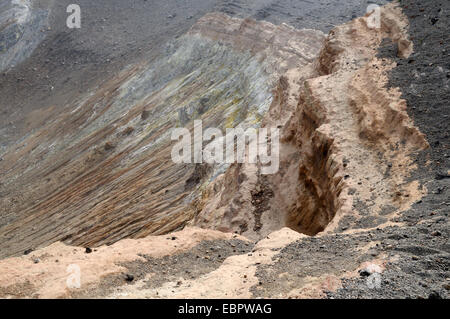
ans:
(101, 171)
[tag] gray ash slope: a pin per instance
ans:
(423, 267)
(302, 14)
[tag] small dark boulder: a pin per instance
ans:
(434, 295)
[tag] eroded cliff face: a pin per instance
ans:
(354, 134)
(103, 172)
(346, 143)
